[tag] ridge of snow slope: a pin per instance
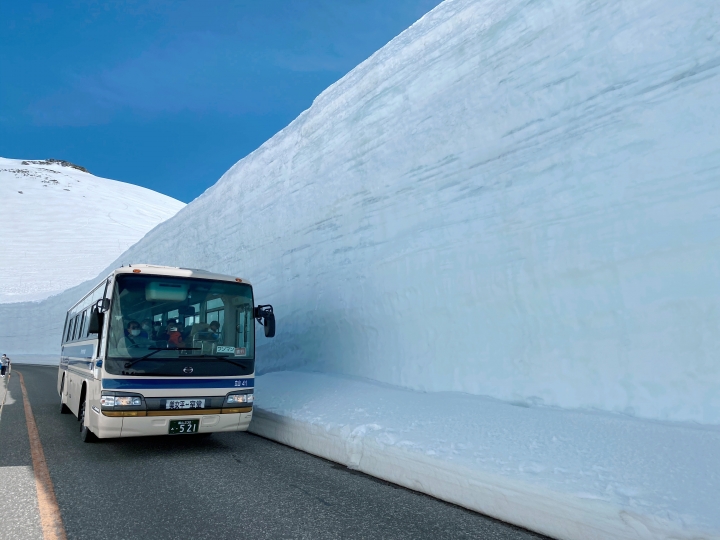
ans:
(61, 226)
(572, 475)
(513, 199)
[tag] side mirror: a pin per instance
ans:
(266, 317)
(97, 316)
(270, 325)
(96, 321)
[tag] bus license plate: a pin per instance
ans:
(178, 427)
(185, 404)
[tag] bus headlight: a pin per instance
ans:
(235, 399)
(127, 401)
(109, 401)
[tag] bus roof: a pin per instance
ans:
(156, 270)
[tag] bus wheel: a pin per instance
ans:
(64, 409)
(85, 434)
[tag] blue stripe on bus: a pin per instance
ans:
(66, 362)
(133, 384)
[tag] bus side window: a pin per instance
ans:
(86, 322)
(68, 323)
(81, 326)
(76, 327)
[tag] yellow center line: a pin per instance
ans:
(50, 518)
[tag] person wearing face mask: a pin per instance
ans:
(134, 335)
(158, 332)
(214, 330)
(133, 329)
(147, 327)
(175, 337)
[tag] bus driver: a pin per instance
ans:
(134, 336)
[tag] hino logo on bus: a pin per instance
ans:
(188, 370)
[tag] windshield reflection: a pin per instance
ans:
(159, 324)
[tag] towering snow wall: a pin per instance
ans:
(517, 199)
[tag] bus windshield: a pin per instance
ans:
(162, 325)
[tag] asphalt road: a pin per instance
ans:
(232, 485)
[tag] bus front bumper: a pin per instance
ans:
(140, 426)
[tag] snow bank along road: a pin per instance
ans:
(227, 485)
(574, 475)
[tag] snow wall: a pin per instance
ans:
(515, 199)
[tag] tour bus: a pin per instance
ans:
(156, 350)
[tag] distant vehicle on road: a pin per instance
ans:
(157, 350)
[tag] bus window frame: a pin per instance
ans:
(66, 329)
(72, 329)
(81, 323)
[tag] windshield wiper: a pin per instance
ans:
(225, 358)
(156, 350)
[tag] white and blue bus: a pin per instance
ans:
(156, 350)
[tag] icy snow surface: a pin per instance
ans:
(61, 226)
(568, 474)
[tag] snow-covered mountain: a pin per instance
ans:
(61, 225)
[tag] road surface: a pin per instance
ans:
(232, 485)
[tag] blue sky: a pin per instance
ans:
(168, 94)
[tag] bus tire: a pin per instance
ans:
(85, 434)
(64, 409)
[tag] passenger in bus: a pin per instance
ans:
(214, 330)
(206, 332)
(147, 327)
(157, 331)
(163, 333)
(185, 331)
(174, 336)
